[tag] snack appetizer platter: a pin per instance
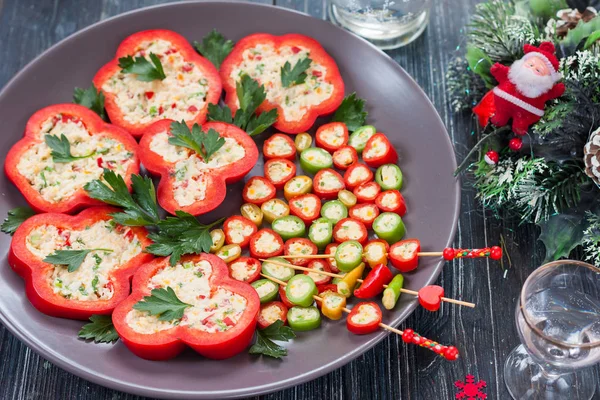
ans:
(286, 212)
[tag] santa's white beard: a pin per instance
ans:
(527, 82)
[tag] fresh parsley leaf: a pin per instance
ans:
(294, 76)
(100, 329)
(164, 303)
(204, 144)
(61, 149)
(351, 112)
(214, 47)
(71, 258)
(15, 218)
(264, 340)
(145, 71)
(250, 96)
(92, 99)
(259, 123)
(179, 235)
(140, 209)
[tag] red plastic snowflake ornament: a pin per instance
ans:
(469, 389)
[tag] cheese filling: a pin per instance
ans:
(263, 63)
(277, 271)
(266, 288)
(368, 191)
(317, 156)
(267, 243)
(332, 251)
(190, 171)
(350, 253)
(333, 136)
(389, 200)
(344, 157)
(388, 221)
(180, 96)
(270, 313)
(288, 225)
(330, 182)
(367, 314)
(93, 280)
(377, 148)
(304, 313)
(335, 212)
(278, 171)
(238, 231)
(212, 309)
(59, 181)
(350, 230)
(277, 208)
(279, 146)
(298, 248)
(358, 174)
(317, 278)
(375, 251)
(406, 250)
(320, 230)
(299, 287)
(389, 175)
(242, 270)
(306, 204)
(258, 189)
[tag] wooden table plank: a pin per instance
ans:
(391, 370)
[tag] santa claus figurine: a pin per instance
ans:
(523, 89)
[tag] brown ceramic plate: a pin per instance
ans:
(396, 106)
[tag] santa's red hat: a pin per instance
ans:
(545, 51)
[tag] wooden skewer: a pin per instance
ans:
(448, 352)
(331, 274)
(311, 256)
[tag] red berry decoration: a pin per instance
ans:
(515, 144)
(491, 157)
(448, 253)
(496, 253)
(407, 335)
(451, 353)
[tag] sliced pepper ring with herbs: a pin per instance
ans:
(64, 147)
(101, 254)
(134, 104)
(188, 181)
(216, 319)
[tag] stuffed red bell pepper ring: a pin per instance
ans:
(218, 321)
(191, 83)
(298, 105)
(188, 182)
(99, 282)
(53, 181)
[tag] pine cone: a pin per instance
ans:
(569, 18)
(591, 157)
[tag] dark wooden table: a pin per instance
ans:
(391, 370)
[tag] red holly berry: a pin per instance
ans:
(448, 253)
(515, 144)
(407, 335)
(496, 253)
(491, 157)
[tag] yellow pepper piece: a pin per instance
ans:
(273, 209)
(253, 213)
(332, 305)
(229, 253)
(297, 186)
(303, 141)
(346, 286)
(375, 253)
(218, 240)
(347, 198)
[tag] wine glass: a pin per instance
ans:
(558, 320)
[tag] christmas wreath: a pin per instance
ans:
(531, 77)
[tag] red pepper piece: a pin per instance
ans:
(168, 343)
(356, 175)
(404, 254)
(95, 126)
(214, 180)
(258, 190)
(238, 230)
(373, 284)
(329, 287)
(367, 192)
(330, 249)
(319, 265)
(266, 243)
(379, 151)
(35, 272)
(279, 146)
(284, 298)
(331, 75)
(307, 207)
(364, 318)
(299, 246)
(344, 157)
(327, 183)
(245, 269)
(350, 229)
(365, 213)
(391, 201)
(430, 297)
(269, 310)
(332, 136)
(278, 171)
(129, 47)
